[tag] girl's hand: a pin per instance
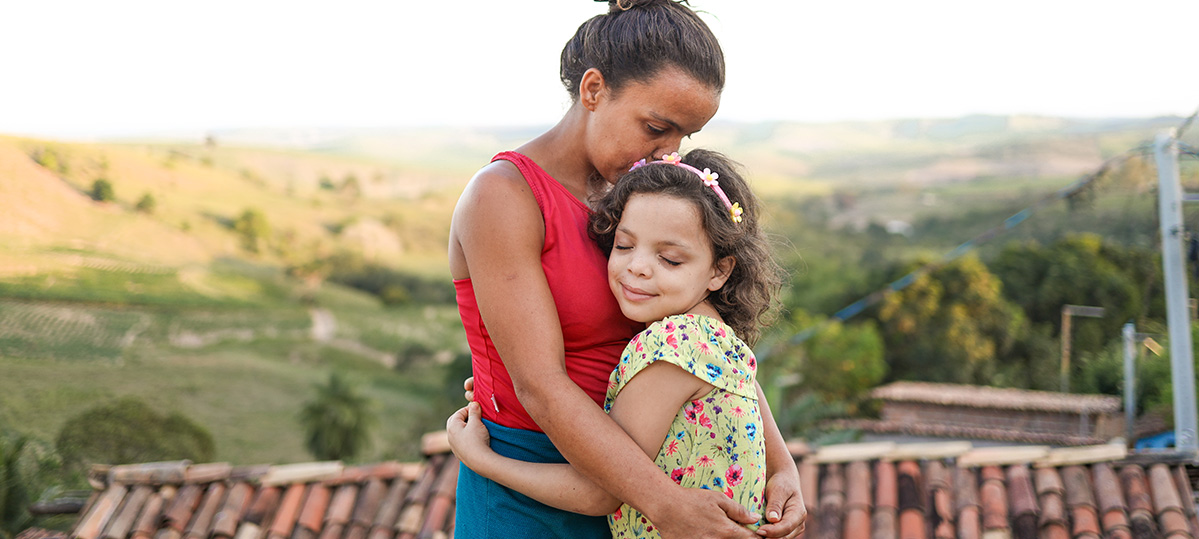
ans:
(468, 386)
(468, 435)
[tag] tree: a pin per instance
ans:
(253, 228)
(127, 431)
(950, 325)
(27, 467)
(338, 421)
(842, 362)
(1079, 270)
(102, 191)
(146, 204)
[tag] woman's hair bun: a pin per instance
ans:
(616, 6)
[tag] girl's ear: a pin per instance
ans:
(720, 272)
(591, 87)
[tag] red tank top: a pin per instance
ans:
(594, 331)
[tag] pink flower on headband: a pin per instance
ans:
(709, 178)
(735, 211)
(673, 158)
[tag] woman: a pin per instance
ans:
(532, 286)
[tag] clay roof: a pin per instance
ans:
(318, 500)
(993, 397)
(880, 490)
(952, 490)
(976, 432)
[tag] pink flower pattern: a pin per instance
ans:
(714, 441)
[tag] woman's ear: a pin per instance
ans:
(591, 87)
(720, 272)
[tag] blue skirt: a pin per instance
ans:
(486, 509)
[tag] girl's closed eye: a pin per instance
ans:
(670, 261)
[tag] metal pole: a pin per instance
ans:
(1182, 369)
(1130, 381)
(1065, 379)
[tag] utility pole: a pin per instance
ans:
(1130, 382)
(1068, 312)
(1182, 368)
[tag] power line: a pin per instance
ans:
(1016, 219)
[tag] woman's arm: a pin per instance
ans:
(499, 230)
(785, 510)
(644, 408)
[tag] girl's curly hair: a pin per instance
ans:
(746, 301)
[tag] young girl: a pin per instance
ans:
(686, 257)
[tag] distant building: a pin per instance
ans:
(921, 409)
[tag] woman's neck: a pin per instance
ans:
(559, 151)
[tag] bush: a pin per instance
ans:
(102, 191)
(339, 421)
(128, 431)
(146, 204)
(253, 228)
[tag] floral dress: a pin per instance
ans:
(714, 442)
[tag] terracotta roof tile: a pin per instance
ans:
(1022, 502)
(910, 486)
(1052, 521)
(123, 523)
(883, 522)
(1166, 503)
(832, 499)
(992, 397)
(941, 514)
(147, 521)
(965, 502)
(993, 495)
(39, 533)
(917, 491)
(201, 523)
(98, 515)
(1185, 493)
(1110, 497)
(224, 523)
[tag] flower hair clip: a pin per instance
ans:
(706, 175)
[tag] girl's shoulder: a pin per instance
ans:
(701, 345)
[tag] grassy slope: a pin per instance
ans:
(184, 270)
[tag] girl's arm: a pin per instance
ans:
(499, 231)
(644, 408)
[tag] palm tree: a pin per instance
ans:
(338, 421)
(26, 467)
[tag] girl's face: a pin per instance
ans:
(662, 261)
(644, 120)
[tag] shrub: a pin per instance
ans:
(146, 204)
(338, 421)
(253, 228)
(127, 431)
(102, 191)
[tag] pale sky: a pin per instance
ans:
(83, 68)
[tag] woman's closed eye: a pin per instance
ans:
(654, 130)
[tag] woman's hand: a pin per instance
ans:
(468, 435)
(786, 514)
(704, 513)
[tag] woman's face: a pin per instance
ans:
(645, 120)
